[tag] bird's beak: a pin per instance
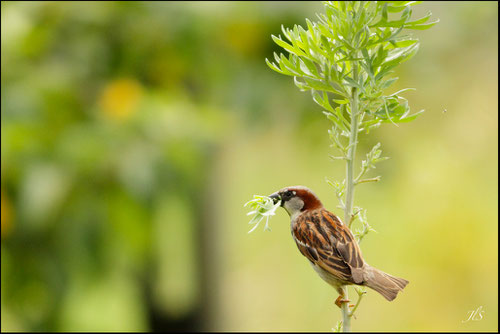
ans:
(276, 197)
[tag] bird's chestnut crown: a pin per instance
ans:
(296, 199)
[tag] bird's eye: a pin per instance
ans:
(289, 194)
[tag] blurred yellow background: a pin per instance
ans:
(133, 133)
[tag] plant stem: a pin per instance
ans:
(344, 309)
(360, 296)
(349, 199)
(353, 140)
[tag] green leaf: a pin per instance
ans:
(273, 67)
(400, 55)
(422, 26)
(401, 91)
(322, 101)
(310, 66)
(388, 82)
(397, 6)
(320, 85)
(285, 45)
(286, 64)
(404, 43)
(301, 85)
(341, 101)
(325, 31)
(353, 83)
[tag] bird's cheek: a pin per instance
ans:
(287, 208)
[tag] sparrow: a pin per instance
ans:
(330, 247)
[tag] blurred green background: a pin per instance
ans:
(133, 133)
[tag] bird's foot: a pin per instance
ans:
(341, 300)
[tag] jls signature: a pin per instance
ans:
(475, 315)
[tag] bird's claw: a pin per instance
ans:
(341, 300)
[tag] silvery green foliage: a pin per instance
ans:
(322, 55)
(262, 207)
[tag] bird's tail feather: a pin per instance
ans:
(385, 284)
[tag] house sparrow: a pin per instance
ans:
(330, 247)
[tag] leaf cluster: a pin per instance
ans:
(262, 207)
(361, 35)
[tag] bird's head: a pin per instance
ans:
(296, 199)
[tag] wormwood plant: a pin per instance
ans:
(262, 207)
(346, 60)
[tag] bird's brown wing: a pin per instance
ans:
(326, 242)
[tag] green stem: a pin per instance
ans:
(360, 296)
(344, 309)
(349, 199)
(373, 179)
(353, 140)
